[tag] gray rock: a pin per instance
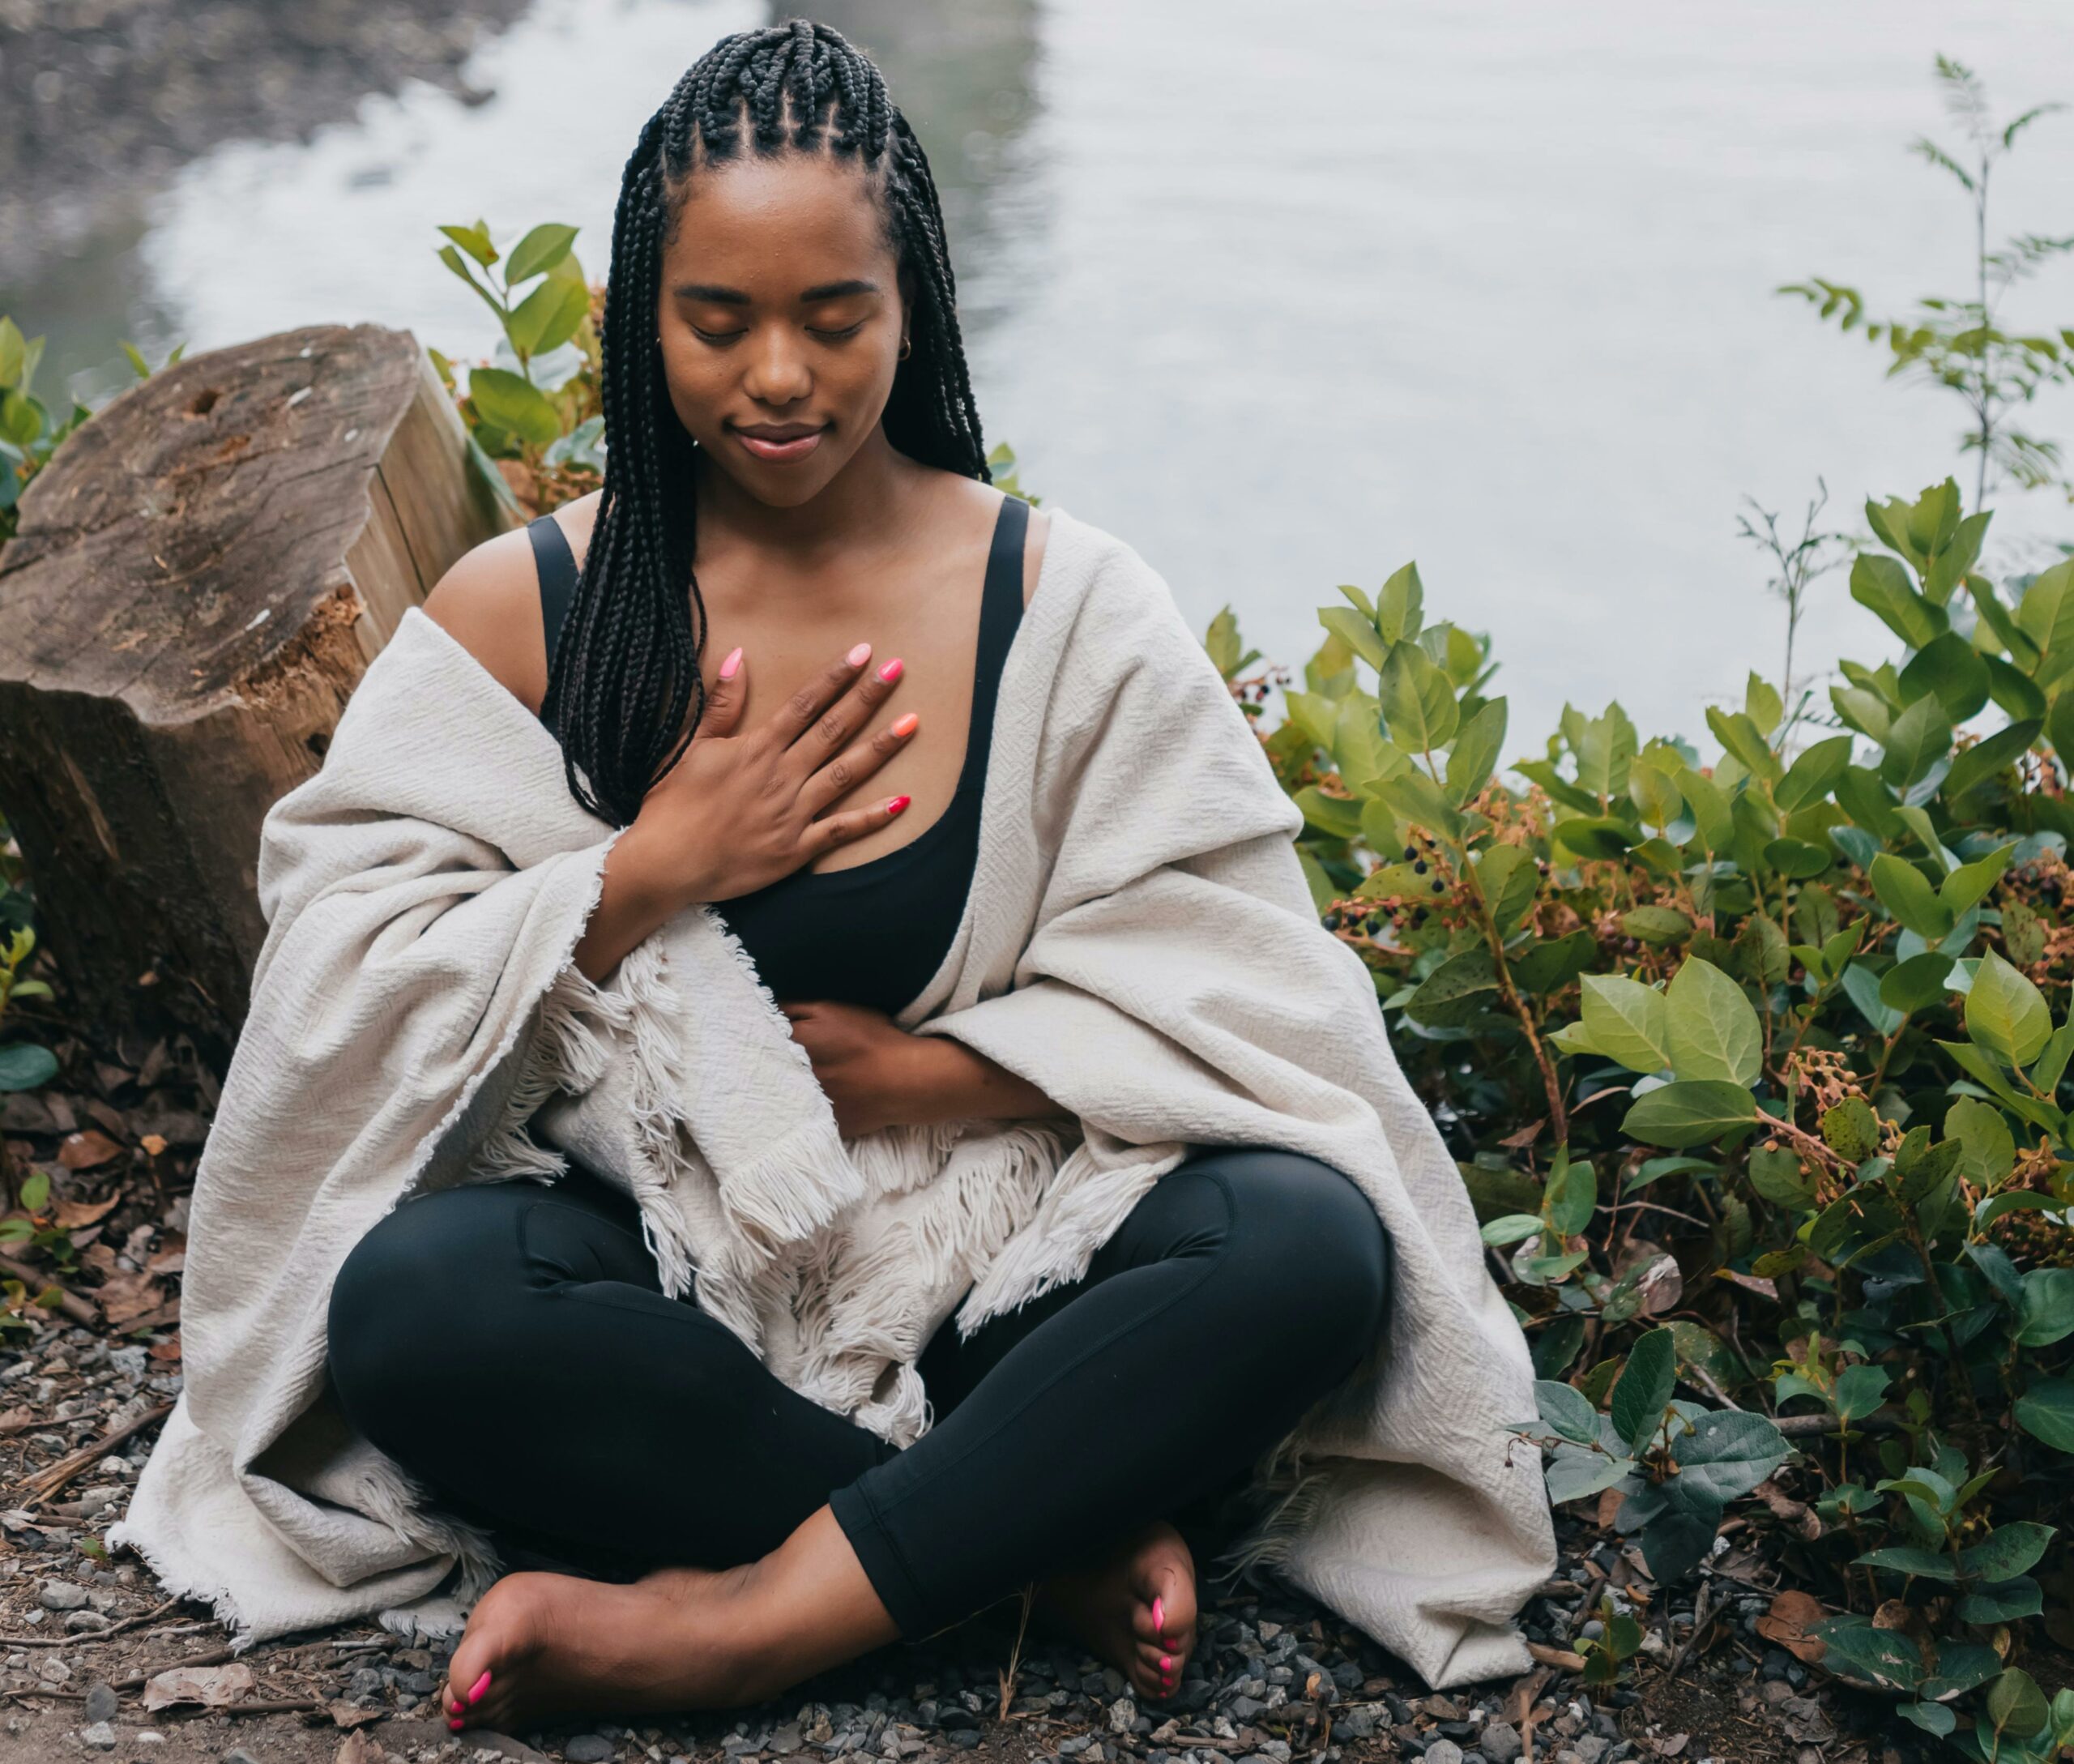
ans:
(1500, 1742)
(62, 1595)
(98, 1735)
(239, 1755)
(588, 1749)
(1443, 1751)
(84, 1622)
(102, 1703)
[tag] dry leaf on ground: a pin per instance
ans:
(1787, 1623)
(84, 1149)
(211, 1686)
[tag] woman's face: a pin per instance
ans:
(780, 309)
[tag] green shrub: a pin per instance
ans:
(1756, 1074)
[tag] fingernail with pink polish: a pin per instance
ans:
(892, 670)
(734, 660)
(857, 657)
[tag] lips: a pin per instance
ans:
(778, 443)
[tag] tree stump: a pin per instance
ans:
(201, 576)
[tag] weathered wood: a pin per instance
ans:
(200, 578)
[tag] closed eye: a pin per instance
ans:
(729, 336)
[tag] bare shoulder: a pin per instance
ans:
(1033, 551)
(489, 602)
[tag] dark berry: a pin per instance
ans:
(1420, 868)
(1410, 852)
(1439, 887)
(1331, 921)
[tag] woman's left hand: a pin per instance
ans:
(862, 1060)
(877, 1075)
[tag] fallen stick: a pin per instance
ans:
(1560, 1658)
(79, 1309)
(46, 1482)
(90, 1636)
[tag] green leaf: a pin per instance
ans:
(25, 1066)
(1796, 859)
(1851, 1129)
(1574, 1473)
(1985, 758)
(2006, 1551)
(1903, 892)
(2047, 1313)
(1456, 992)
(548, 317)
(1814, 774)
(1647, 1382)
(1916, 984)
(2046, 616)
(1476, 751)
(1552, 964)
(1572, 1193)
(474, 241)
(1627, 1022)
(1727, 1453)
(2015, 1706)
(1507, 876)
(1415, 798)
(1968, 884)
(1741, 738)
(2006, 1601)
(1513, 1227)
(1932, 1717)
(2045, 1412)
(1887, 1659)
(1713, 1032)
(1710, 811)
(1358, 633)
(2005, 1012)
(1919, 738)
(1949, 669)
(1336, 815)
(1777, 1176)
(1908, 1559)
(1882, 585)
(1762, 704)
(1862, 986)
(1689, 1113)
(543, 247)
(1661, 925)
(1401, 606)
(1601, 837)
(1417, 701)
(1565, 1410)
(512, 403)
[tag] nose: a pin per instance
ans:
(777, 373)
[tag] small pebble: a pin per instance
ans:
(62, 1595)
(588, 1749)
(98, 1735)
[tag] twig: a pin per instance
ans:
(91, 1637)
(1702, 1616)
(79, 1309)
(1015, 1653)
(47, 1483)
(137, 1681)
(1560, 1658)
(289, 1705)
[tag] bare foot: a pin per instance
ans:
(539, 1645)
(1136, 1610)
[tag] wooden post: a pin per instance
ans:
(201, 576)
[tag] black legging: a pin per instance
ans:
(509, 1343)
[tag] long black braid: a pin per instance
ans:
(626, 667)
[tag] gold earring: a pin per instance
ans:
(906, 349)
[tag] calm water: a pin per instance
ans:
(1284, 303)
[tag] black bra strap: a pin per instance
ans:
(554, 563)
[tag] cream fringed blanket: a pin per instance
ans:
(1139, 943)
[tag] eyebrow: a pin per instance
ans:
(734, 296)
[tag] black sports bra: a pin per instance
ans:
(875, 933)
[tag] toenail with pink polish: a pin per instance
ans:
(482, 1685)
(1159, 1613)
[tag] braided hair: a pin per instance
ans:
(625, 672)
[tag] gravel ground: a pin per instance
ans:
(87, 1641)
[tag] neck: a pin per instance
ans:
(870, 503)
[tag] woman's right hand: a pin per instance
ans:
(742, 808)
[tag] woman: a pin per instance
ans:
(771, 650)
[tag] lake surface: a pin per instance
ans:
(1287, 297)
